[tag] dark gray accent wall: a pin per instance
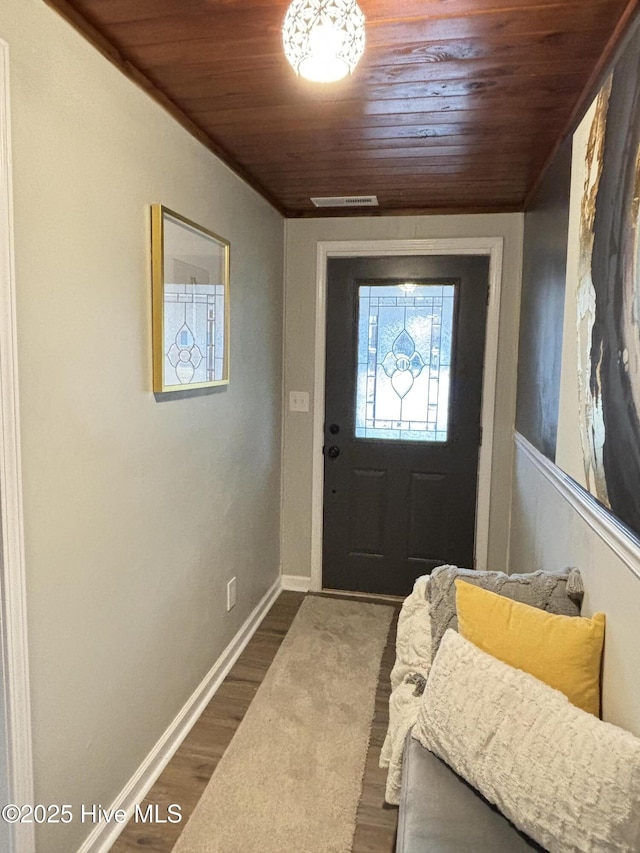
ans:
(542, 310)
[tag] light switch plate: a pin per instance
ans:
(298, 401)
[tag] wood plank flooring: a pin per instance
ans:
(187, 774)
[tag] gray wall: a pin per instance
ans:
(542, 306)
(137, 512)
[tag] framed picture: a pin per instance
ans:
(190, 269)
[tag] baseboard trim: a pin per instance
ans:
(296, 583)
(601, 521)
(104, 835)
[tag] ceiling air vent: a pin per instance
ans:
(346, 201)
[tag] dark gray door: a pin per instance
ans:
(404, 367)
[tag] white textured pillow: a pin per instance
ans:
(568, 780)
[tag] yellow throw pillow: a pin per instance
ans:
(563, 651)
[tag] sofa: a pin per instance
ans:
(440, 813)
(482, 754)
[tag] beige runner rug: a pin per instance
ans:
(290, 780)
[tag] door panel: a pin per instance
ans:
(426, 515)
(404, 366)
(367, 513)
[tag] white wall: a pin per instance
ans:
(137, 511)
(302, 237)
(548, 532)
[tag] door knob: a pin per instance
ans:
(334, 429)
(333, 452)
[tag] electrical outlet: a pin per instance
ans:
(231, 594)
(298, 401)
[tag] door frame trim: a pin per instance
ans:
(13, 597)
(490, 246)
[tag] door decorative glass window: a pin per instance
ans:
(404, 359)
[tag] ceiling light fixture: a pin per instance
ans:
(323, 39)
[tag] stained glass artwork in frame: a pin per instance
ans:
(190, 304)
(405, 334)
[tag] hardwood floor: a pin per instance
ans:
(187, 774)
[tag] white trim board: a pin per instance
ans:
(13, 606)
(296, 583)
(491, 246)
(600, 520)
(103, 835)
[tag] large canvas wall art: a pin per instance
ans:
(599, 418)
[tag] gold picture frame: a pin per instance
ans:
(190, 298)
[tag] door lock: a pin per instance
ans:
(333, 452)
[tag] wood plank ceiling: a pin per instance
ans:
(456, 105)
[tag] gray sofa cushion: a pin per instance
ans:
(559, 593)
(441, 813)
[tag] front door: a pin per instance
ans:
(404, 368)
